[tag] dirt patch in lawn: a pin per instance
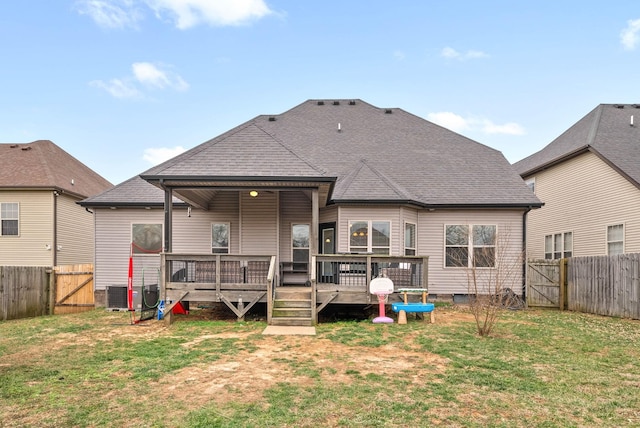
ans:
(297, 360)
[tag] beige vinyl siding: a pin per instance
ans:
(259, 223)
(193, 234)
(35, 230)
(329, 214)
(391, 214)
(295, 208)
(584, 195)
(431, 242)
(74, 232)
(113, 243)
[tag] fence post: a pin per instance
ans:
(563, 283)
(51, 274)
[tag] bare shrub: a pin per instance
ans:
(493, 268)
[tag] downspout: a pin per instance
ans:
(55, 228)
(524, 254)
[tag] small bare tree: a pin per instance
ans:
(492, 267)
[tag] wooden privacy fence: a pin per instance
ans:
(605, 285)
(30, 291)
(24, 291)
(545, 280)
(73, 289)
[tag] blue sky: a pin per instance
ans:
(122, 84)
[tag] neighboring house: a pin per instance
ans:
(41, 221)
(589, 181)
(332, 191)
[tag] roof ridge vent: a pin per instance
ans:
(388, 111)
(635, 105)
(352, 102)
(618, 105)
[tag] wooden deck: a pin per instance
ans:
(241, 281)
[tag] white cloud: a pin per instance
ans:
(189, 13)
(458, 123)
(449, 120)
(151, 75)
(158, 155)
(629, 35)
(111, 13)
(399, 55)
(146, 74)
(451, 53)
(184, 13)
(118, 88)
(510, 128)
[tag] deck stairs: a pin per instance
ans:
(292, 307)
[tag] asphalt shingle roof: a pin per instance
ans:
(375, 154)
(605, 131)
(42, 164)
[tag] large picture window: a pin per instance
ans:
(369, 236)
(146, 238)
(220, 238)
(9, 219)
(470, 246)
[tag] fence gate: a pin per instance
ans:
(545, 282)
(73, 289)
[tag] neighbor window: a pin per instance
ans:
(300, 245)
(470, 245)
(531, 184)
(220, 238)
(558, 245)
(615, 239)
(9, 217)
(409, 239)
(368, 236)
(146, 238)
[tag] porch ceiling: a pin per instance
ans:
(199, 192)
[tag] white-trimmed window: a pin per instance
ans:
(370, 236)
(615, 239)
(220, 238)
(300, 237)
(470, 246)
(531, 184)
(558, 245)
(409, 239)
(146, 238)
(9, 219)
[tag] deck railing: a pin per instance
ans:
(206, 276)
(348, 271)
(225, 277)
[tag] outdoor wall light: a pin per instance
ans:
(253, 193)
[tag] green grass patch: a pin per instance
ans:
(539, 368)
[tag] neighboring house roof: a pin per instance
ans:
(607, 131)
(372, 154)
(43, 165)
